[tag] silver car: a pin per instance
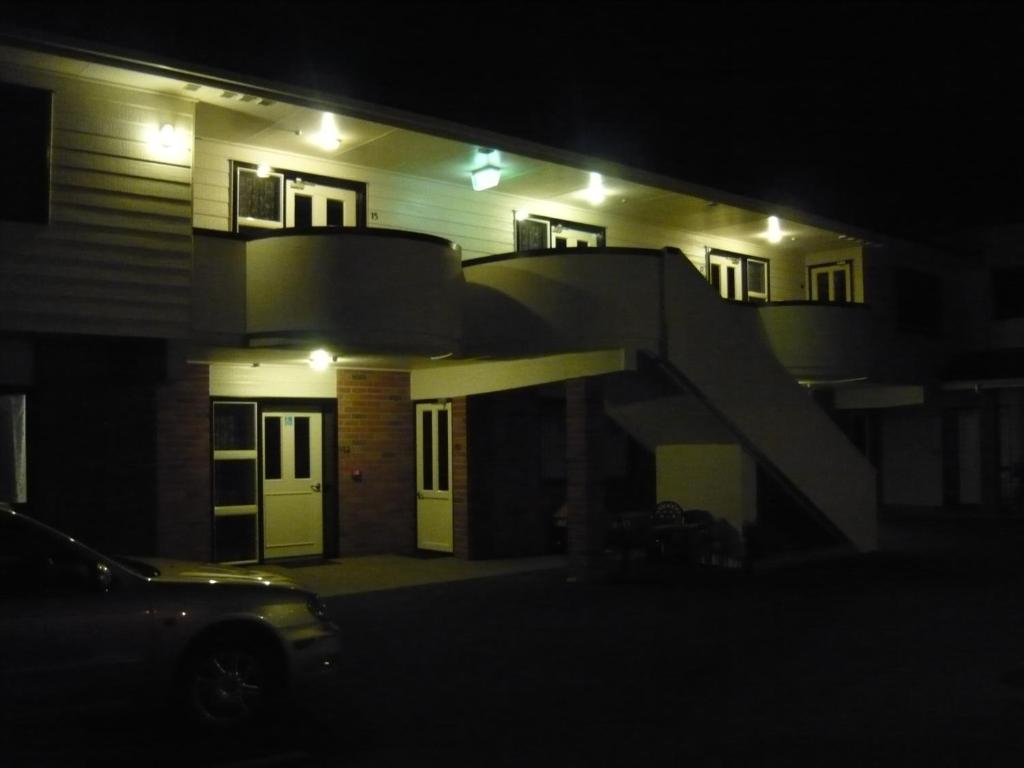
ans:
(221, 643)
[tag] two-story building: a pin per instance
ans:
(242, 322)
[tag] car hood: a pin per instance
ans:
(194, 572)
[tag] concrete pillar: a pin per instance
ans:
(584, 493)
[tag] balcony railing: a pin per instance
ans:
(359, 289)
(819, 341)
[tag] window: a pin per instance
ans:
(25, 154)
(831, 283)
(277, 199)
(235, 504)
(737, 277)
(540, 232)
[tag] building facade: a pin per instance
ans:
(242, 322)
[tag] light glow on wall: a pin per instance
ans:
(774, 233)
(263, 170)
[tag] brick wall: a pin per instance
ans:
(184, 513)
(376, 436)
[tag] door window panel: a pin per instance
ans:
(272, 447)
(302, 446)
(234, 482)
(428, 453)
(831, 283)
(442, 450)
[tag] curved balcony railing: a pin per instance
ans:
(819, 341)
(360, 289)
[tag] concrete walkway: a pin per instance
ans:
(372, 573)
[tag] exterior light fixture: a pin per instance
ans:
(488, 175)
(263, 170)
(485, 178)
(327, 137)
(595, 191)
(320, 359)
(166, 135)
(521, 215)
(774, 234)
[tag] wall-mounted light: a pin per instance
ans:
(595, 191)
(263, 170)
(774, 233)
(521, 215)
(320, 359)
(327, 137)
(167, 135)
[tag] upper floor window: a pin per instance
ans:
(25, 153)
(737, 277)
(274, 198)
(538, 232)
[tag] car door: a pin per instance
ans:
(75, 630)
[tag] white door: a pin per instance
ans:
(831, 283)
(725, 273)
(319, 205)
(434, 477)
(293, 518)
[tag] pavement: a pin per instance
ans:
(375, 573)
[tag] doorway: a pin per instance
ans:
(434, 524)
(292, 473)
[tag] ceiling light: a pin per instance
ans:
(320, 359)
(486, 177)
(595, 191)
(774, 234)
(327, 137)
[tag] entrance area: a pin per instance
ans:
(292, 484)
(434, 529)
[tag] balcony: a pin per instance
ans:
(551, 301)
(819, 341)
(357, 289)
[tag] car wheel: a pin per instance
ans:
(228, 680)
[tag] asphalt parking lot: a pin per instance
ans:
(911, 656)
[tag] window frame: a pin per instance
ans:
(846, 265)
(289, 176)
(747, 297)
(550, 223)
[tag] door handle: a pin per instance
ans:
(315, 487)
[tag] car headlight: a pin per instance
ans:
(317, 607)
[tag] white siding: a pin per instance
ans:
(116, 255)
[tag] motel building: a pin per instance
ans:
(242, 322)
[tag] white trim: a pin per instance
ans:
(271, 381)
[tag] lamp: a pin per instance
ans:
(774, 234)
(485, 178)
(327, 137)
(320, 359)
(595, 191)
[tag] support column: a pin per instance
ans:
(989, 447)
(584, 493)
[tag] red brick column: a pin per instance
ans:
(377, 439)
(184, 511)
(460, 480)
(584, 493)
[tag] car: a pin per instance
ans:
(219, 644)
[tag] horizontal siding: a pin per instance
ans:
(116, 255)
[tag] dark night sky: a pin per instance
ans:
(903, 118)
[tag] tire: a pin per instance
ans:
(228, 680)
